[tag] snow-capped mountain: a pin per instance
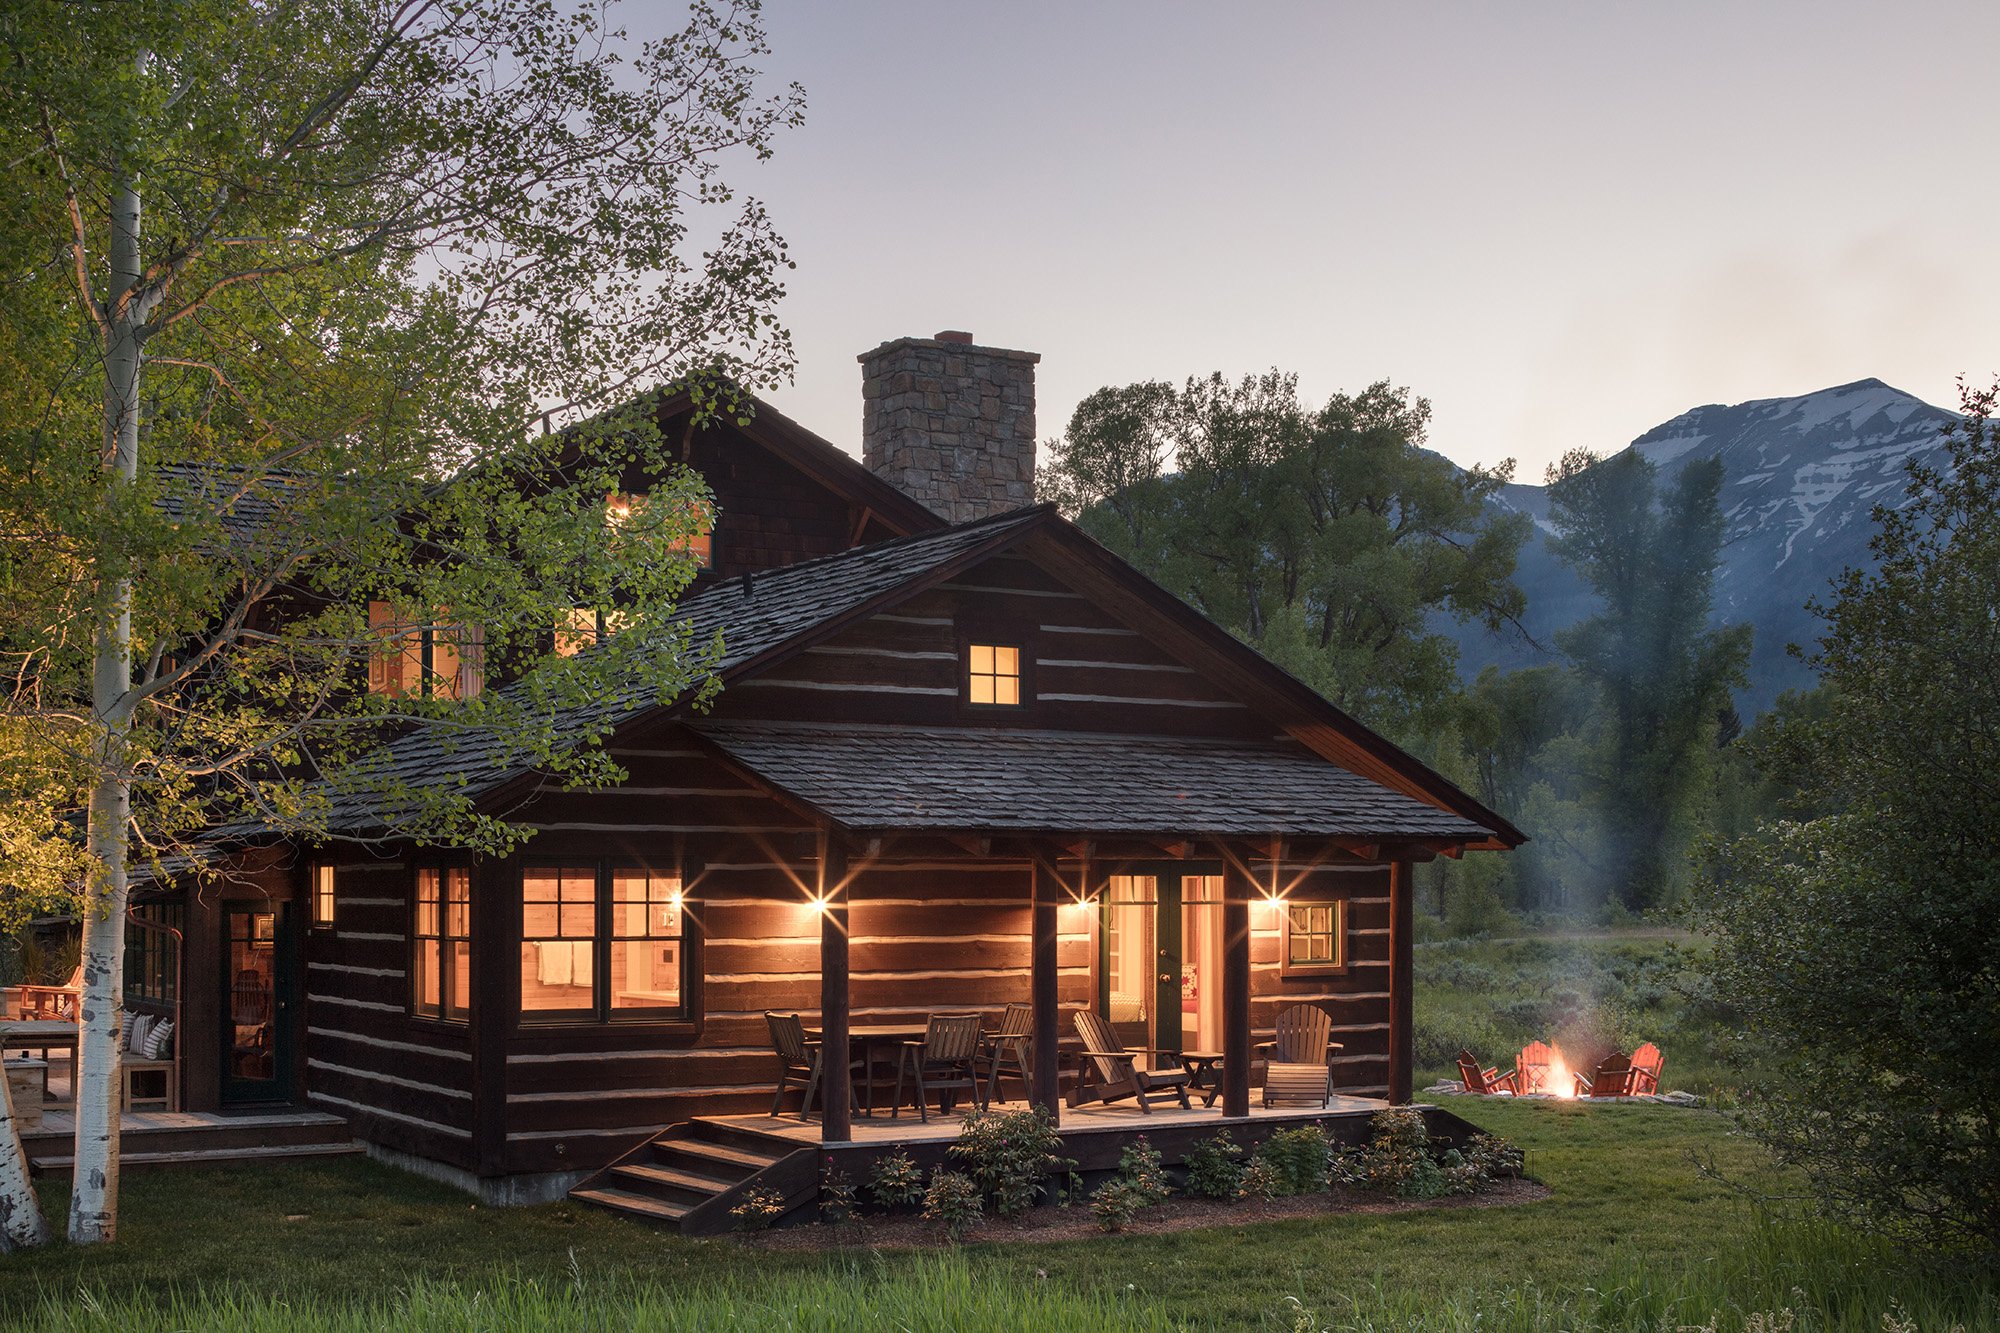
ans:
(1801, 479)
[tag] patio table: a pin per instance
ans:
(870, 1037)
(1204, 1074)
(44, 1035)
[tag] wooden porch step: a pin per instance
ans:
(625, 1201)
(692, 1174)
(215, 1156)
(670, 1179)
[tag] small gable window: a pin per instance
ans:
(993, 674)
(619, 510)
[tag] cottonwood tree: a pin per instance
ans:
(1664, 676)
(286, 284)
(1857, 948)
(1329, 537)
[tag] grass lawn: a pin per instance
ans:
(1634, 1232)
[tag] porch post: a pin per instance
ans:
(1236, 892)
(835, 1083)
(1402, 960)
(1046, 892)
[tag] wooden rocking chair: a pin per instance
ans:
(1646, 1063)
(1298, 1063)
(41, 1003)
(1487, 1082)
(1110, 1072)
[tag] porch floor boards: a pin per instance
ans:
(197, 1138)
(1118, 1117)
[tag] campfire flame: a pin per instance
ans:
(1558, 1081)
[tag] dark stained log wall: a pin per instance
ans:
(400, 1081)
(1088, 671)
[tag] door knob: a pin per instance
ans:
(1166, 976)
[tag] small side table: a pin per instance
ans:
(1204, 1074)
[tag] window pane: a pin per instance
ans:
(982, 659)
(427, 902)
(576, 629)
(461, 979)
(558, 948)
(424, 978)
(458, 902)
(1007, 690)
(1007, 661)
(982, 690)
(646, 974)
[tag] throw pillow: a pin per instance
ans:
(160, 1041)
(138, 1028)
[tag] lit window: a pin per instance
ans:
(1316, 936)
(700, 543)
(322, 896)
(993, 674)
(601, 943)
(581, 626)
(413, 658)
(441, 953)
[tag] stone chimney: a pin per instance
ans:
(951, 424)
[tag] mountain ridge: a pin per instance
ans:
(1801, 478)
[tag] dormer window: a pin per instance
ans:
(993, 674)
(619, 509)
(427, 657)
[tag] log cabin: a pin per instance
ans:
(963, 757)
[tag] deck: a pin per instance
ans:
(1119, 1117)
(197, 1138)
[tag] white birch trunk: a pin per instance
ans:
(22, 1225)
(93, 1211)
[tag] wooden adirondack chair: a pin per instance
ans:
(1488, 1082)
(1532, 1067)
(1298, 1063)
(53, 1002)
(1612, 1078)
(1646, 1062)
(1109, 1071)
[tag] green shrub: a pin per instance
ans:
(1009, 1155)
(1213, 1171)
(1139, 1166)
(952, 1202)
(838, 1201)
(1298, 1159)
(1115, 1203)
(1260, 1181)
(896, 1182)
(1398, 1160)
(758, 1209)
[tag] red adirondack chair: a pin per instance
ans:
(1612, 1078)
(1646, 1062)
(1532, 1066)
(1478, 1078)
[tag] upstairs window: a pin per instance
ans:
(993, 674)
(581, 626)
(424, 657)
(618, 510)
(441, 944)
(319, 887)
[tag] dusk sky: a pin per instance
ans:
(1563, 224)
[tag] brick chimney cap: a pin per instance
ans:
(955, 336)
